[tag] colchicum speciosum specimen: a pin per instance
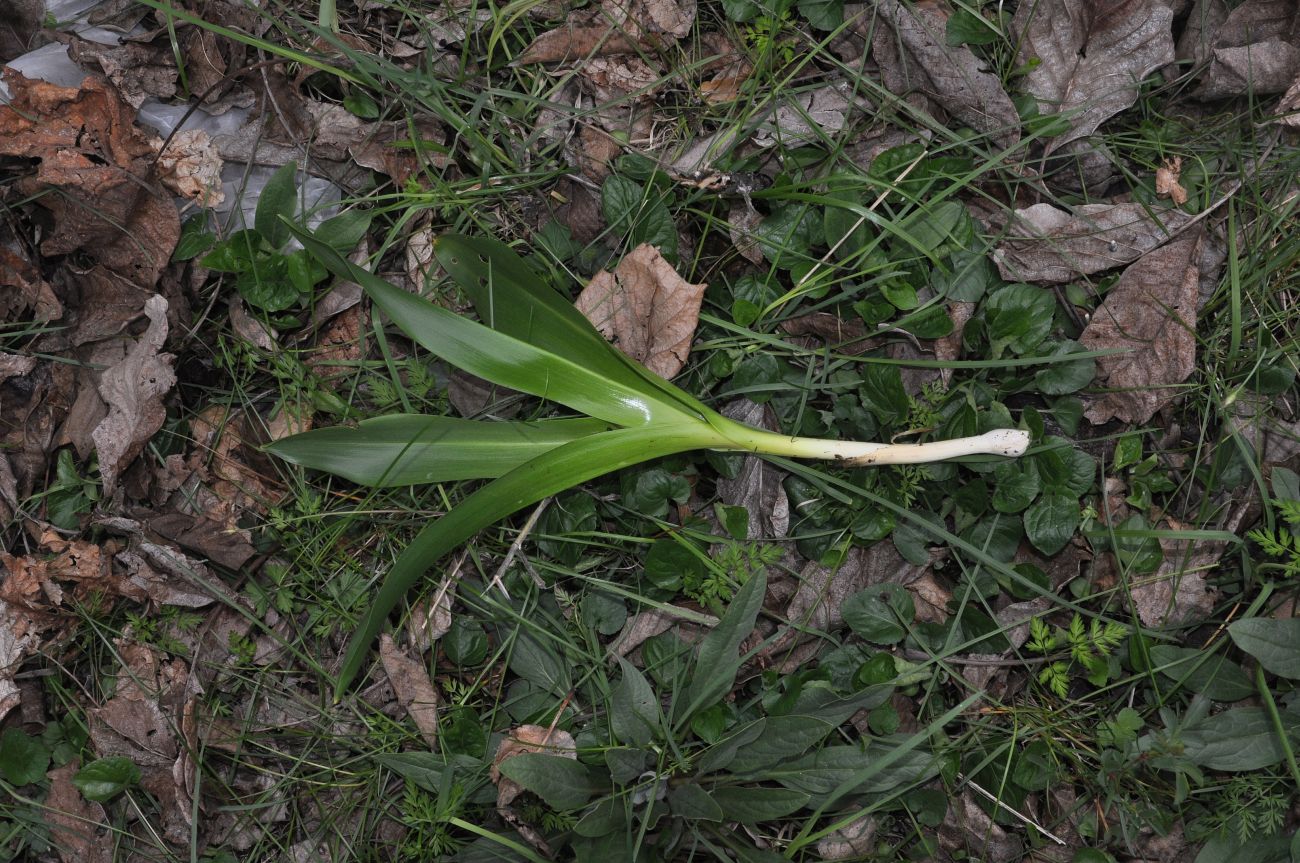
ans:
(534, 340)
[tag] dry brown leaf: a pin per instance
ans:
(1199, 31)
(139, 70)
(968, 830)
(431, 618)
(854, 841)
(654, 19)
(620, 78)
(950, 75)
(1092, 56)
(191, 167)
(79, 829)
(19, 637)
(741, 225)
(1049, 245)
(585, 36)
(528, 738)
(414, 689)
(1288, 108)
(757, 487)
(639, 627)
(808, 116)
(1177, 592)
(646, 309)
(1167, 185)
(133, 390)
(25, 292)
(1151, 313)
(87, 146)
(1258, 69)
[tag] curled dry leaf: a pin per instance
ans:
(1046, 244)
(24, 292)
(1255, 50)
(1151, 313)
(854, 841)
(950, 75)
(528, 738)
(646, 309)
(807, 117)
(139, 69)
(415, 690)
(191, 167)
(1092, 55)
(133, 390)
(87, 146)
(19, 637)
(1288, 109)
(583, 36)
(968, 829)
(655, 19)
(1167, 185)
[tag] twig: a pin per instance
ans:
(516, 545)
(1024, 819)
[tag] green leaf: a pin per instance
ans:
(345, 230)
(966, 28)
(1059, 379)
(539, 661)
(1212, 675)
(1017, 486)
(561, 782)
(1018, 317)
(105, 778)
(633, 708)
(1237, 740)
(511, 298)
(236, 253)
(784, 737)
(880, 613)
(788, 234)
(719, 659)
(1051, 521)
(965, 277)
(1275, 643)
(822, 773)
(408, 449)
(720, 755)
(823, 14)
(641, 216)
(278, 202)
(196, 238)
(649, 492)
(550, 473)
(939, 229)
(501, 358)
(426, 769)
(752, 805)
(692, 802)
(23, 758)
(266, 284)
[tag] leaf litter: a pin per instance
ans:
(175, 525)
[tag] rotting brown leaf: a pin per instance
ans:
(88, 148)
(1177, 591)
(528, 738)
(809, 116)
(139, 70)
(1151, 314)
(133, 390)
(79, 829)
(1258, 69)
(19, 637)
(757, 486)
(414, 689)
(1288, 108)
(1092, 56)
(950, 75)
(969, 830)
(653, 20)
(646, 309)
(1046, 244)
(854, 841)
(24, 291)
(584, 35)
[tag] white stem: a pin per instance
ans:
(1007, 442)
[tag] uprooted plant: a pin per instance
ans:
(535, 341)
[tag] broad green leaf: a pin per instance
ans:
(1018, 484)
(822, 773)
(1236, 740)
(278, 202)
(721, 754)
(786, 236)
(1058, 379)
(23, 758)
(550, 473)
(639, 214)
(427, 769)
(512, 298)
(823, 14)
(539, 662)
(500, 358)
(1018, 317)
(966, 28)
(820, 701)
(105, 778)
(880, 613)
(964, 277)
(784, 737)
(408, 449)
(345, 230)
(693, 802)
(719, 658)
(939, 229)
(633, 709)
(1210, 674)
(1051, 521)
(752, 805)
(1275, 643)
(561, 782)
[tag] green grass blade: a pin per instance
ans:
(511, 298)
(498, 357)
(548, 474)
(408, 449)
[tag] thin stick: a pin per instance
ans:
(515, 546)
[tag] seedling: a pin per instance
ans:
(534, 340)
